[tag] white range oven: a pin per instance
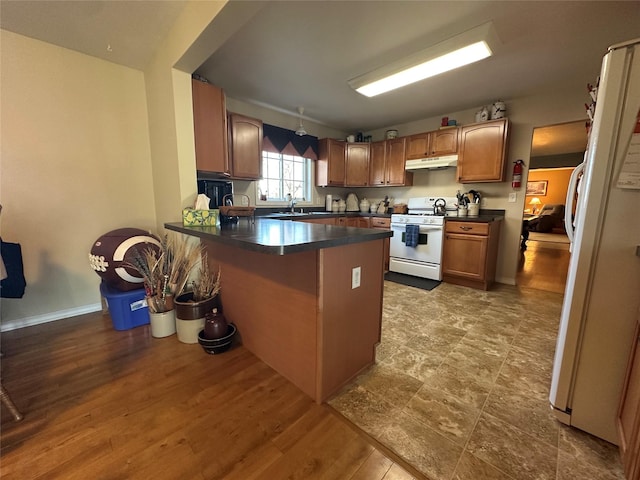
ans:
(425, 258)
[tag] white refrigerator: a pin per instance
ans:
(602, 294)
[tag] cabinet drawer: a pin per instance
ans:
(470, 228)
(380, 222)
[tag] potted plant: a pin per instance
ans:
(192, 305)
(165, 272)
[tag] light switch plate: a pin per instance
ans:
(513, 197)
(355, 277)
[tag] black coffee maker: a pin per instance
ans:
(216, 190)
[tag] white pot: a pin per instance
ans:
(188, 329)
(163, 324)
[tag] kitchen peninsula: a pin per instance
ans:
(306, 298)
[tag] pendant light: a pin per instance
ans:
(301, 131)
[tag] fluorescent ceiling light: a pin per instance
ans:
(468, 47)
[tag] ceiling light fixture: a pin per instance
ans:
(463, 49)
(301, 131)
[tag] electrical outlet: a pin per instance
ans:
(513, 197)
(355, 277)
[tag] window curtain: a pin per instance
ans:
(282, 140)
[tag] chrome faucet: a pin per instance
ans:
(292, 204)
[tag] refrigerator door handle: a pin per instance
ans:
(571, 190)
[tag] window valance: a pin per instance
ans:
(282, 140)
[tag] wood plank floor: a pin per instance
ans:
(543, 268)
(104, 404)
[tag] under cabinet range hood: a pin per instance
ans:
(444, 161)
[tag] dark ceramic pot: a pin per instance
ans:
(215, 325)
(219, 345)
(187, 309)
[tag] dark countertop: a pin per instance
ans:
(275, 237)
(485, 216)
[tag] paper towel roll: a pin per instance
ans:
(328, 203)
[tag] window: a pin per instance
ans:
(284, 174)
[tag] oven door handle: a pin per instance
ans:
(423, 228)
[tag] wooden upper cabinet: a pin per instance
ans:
(432, 144)
(330, 166)
(377, 163)
(210, 128)
(386, 163)
(357, 165)
(246, 147)
(418, 146)
(396, 158)
(482, 153)
(444, 142)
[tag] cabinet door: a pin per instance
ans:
(629, 414)
(246, 147)
(444, 142)
(465, 255)
(396, 159)
(362, 222)
(377, 163)
(330, 163)
(418, 146)
(482, 153)
(324, 221)
(210, 128)
(357, 165)
(383, 223)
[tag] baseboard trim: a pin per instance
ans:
(506, 280)
(49, 317)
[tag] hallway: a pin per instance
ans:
(543, 266)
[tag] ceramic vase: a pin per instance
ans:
(163, 324)
(190, 315)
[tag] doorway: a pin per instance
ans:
(555, 151)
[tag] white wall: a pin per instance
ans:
(76, 163)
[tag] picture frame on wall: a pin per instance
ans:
(538, 187)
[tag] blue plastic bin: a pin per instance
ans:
(127, 309)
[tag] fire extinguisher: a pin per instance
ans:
(517, 174)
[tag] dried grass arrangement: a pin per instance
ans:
(207, 285)
(165, 271)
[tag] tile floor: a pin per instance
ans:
(460, 388)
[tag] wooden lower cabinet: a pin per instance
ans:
(629, 414)
(383, 223)
(470, 253)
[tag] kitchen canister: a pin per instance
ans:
(328, 203)
(473, 209)
(462, 211)
(498, 110)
